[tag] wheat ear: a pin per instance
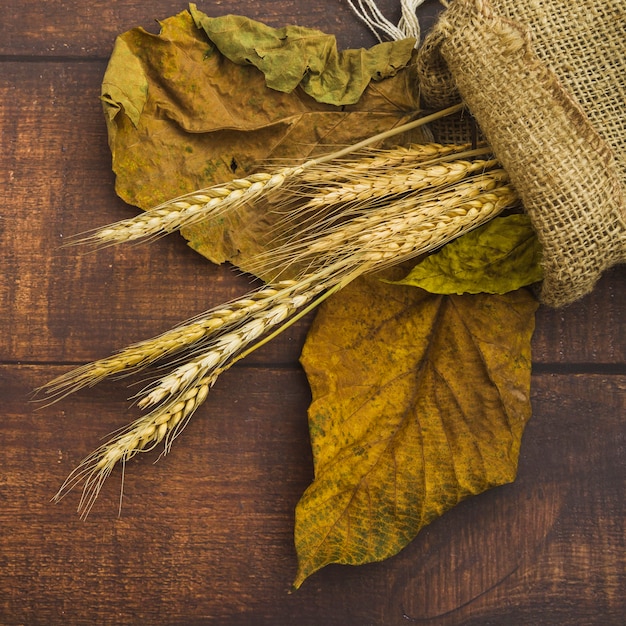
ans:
(214, 201)
(368, 187)
(141, 436)
(179, 394)
(189, 209)
(194, 333)
(373, 160)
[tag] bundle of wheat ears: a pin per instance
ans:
(355, 211)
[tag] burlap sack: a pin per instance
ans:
(545, 81)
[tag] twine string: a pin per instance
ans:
(384, 29)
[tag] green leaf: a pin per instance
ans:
(295, 55)
(419, 401)
(501, 256)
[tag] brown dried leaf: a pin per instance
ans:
(419, 401)
(181, 117)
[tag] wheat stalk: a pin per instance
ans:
(214, 201)
(369, 161)
(192, 334)
(179, 394)
(357, 188)
(342, 234)
(401, 216)
(403, 229)
(370, 187)
(190, 209)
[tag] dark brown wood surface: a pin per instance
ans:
(206, 534)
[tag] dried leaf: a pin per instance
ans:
(419, 401)
(295, 55)
(501, 256)
(181, 117)
(128, 96)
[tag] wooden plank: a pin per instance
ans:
(75, 29)
(66, 306)
(205, 534)
(591, 331)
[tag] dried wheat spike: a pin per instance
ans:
(368, 186)
(194, 333)
(214, 201)
(189, 209)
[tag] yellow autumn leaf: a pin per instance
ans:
(419, 401)
(500, 256)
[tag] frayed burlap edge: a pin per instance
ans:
(563, 170)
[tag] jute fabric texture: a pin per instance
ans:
(545, 81)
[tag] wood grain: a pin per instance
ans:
(61, 28)
(205, 535)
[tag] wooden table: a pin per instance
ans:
(205, 534)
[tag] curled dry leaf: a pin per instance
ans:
(295, 55)
(181, 116)
(419, 401)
